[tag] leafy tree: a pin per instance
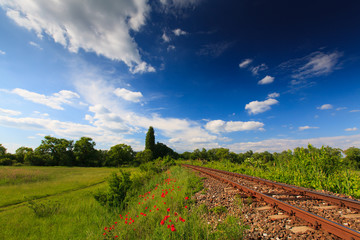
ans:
(85, 153)
(150, 140)
(59, 151)
(144, 156)
(2, 150)
(161, 150)
(353, 156)
(120, 154)
(21, 152)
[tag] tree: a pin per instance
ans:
(2, 150)
(85, 153)
(144, 156)
(21, 152)
(60, 151)
(120, 154)
(150, 140)
(161, 150)
(353, 156)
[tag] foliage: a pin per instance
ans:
(353, 156)
(85, 153)
(150, 140)
(21, 152)
(118, 187)
(120, 154)
(44, 209)
(144, 156)
(231, 228)
(218, 210)
(2, 150)
(58, 151)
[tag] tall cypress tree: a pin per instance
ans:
(150, 140)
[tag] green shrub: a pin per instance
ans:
(44, 209)
(118, 187)
(218, 210)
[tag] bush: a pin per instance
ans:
(118, 187)
(44, 209)
(6, 162)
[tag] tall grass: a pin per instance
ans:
(307, 167)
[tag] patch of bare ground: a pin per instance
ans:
(262, 223)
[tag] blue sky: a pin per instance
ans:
(260, 75)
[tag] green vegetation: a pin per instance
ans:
(319, 168)
(218, 210)
(54, 202)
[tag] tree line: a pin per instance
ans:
(62, 152)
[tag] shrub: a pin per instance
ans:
(44, 209)
(118, 187)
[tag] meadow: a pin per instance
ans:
(59, 203)
(65, 196)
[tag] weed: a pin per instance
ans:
(218, 209)
(231, 228)
(44, 209)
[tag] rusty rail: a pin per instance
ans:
(342, 202)
(316, 221)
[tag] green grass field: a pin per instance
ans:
(78, 215)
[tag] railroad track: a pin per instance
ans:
(336, 215)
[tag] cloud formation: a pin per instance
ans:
(179, 32)
(273, 95)
(255, 70)
(2, 52)
(54, 101)
(351, 129)
(100, 27)
(325, 107)
(128, 95)
(266, 80)
(9, 112)
(306, 128)
(245, 63)
(220, 126)
(256, 107)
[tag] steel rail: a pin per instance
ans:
(343, 202)
(316, 221)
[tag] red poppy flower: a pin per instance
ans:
(168, 226)
(168, 209)
(162, 222)
(186, 198)
(185, 206)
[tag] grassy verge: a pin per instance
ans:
(163, 209)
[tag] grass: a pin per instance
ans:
(68, 212)
(50, 181)
(163, 209)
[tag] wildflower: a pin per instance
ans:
(168, 209)
(105, 228)
(162, 222)
(115, 222)
(175, 214)
(146, 208)
(170, 220)
(154, 206)
(186, 198)
(116, 236)
(168, 226)
(173, 228)
(104, 233)
(186, 207)
(157, 209)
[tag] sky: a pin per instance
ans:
(239, 74)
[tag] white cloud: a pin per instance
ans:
(100, 27)
(256, 107)
(218, 126)
(128, 95)
(279, 145)
(170, 47)
(351, 129)
(266, 80)
(245, 63)
(35, 45)
(180, 3)
(259, 68)
(274, 95)
(306, 128)
(2, 52)
(341, 108)
(9, 112)
(165, 37)
(325, 107)
(318, 64)
(179, 32)
(55, 101)
(356, 110)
